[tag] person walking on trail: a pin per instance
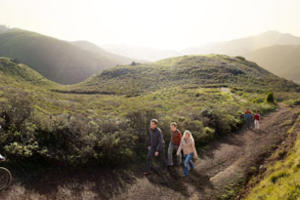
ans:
(256, 120)
(174, 144)
(248, 118)
(155, 146)
(187, 144)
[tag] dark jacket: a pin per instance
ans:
(156, 139)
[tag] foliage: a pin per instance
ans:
(270, 98)
(281, 180)
(110, 128)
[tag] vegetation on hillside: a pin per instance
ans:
(205, 94)
(186, 71)
(282, 178)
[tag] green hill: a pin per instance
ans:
(282, 60)
(185, 71)
(12, 73)
(57, 60)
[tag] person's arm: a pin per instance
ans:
(179, 149)
(149, 140)
(160, 141)
(194, 149)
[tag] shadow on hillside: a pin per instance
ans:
(102, 183)
(173, 178)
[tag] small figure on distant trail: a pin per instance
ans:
(256, 120)
(174, 144)
(156, 146)
(187, 144)
(248, 118)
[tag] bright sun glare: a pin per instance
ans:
(167, 24)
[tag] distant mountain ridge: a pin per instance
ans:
(245, 45)
(283, 60)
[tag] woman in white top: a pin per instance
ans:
(187, 144)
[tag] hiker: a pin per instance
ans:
(155, 146)
(256, 120)
(187, 144)
(248, 118)
(174, 144)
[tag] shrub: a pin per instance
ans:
(270, 98)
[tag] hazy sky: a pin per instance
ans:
(165, 24)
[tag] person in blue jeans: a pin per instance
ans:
(155, 146)
(187, 144)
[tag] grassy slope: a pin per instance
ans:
(282, 178)
(17, 75)
(58, 60)
(176, 90)
(282, 60)
(185, 71)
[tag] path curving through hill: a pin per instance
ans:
(226, 162)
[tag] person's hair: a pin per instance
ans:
(187, 132)
(173, 124)
(155, 121)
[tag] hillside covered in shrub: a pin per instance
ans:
(104, 120)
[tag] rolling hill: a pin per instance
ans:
(184, 71)
(14, 74)
(282, 60)
(242, 46)
(58, 60)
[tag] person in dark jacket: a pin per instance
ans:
(155, 146)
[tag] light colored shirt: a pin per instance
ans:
(188, 147)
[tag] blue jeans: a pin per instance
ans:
(188, 163)
(151, 154)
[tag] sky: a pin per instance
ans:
(162, 24)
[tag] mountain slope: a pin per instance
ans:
(282, 60)
(3, 29)
(185, 71)
(57, 60)
(88, 46)
(243, 46)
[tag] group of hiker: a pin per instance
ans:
(252, 119)
(178, 142)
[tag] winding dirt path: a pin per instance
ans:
(226, 161)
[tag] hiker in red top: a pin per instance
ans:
(174, 144)
(256, 120)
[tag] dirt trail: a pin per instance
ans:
(226, 161)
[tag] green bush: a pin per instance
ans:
(270, 98)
